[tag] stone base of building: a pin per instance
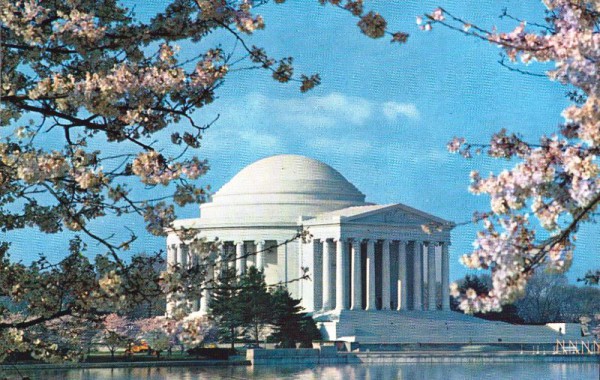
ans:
(388, 327)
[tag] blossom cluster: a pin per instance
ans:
(80, 25)
(23, 18)
(153, 168)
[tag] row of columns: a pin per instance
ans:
(343, 290)
(182, 255)
(350, 288)
(240, 256)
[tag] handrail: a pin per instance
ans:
(582, 347)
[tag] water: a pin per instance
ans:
(521, 371)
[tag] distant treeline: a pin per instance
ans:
(548, 298)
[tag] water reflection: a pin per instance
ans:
(521, 371)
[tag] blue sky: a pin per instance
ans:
(383, 113)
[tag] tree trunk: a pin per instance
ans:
(233, 338)
(256, 333)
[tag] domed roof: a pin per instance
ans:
(282, 188)
(289, 174)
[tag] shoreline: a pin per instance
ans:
(480, 357)
(109, 365)
(351, 358)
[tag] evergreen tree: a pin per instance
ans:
(290, 324)
(309, 332)
(256, 303)
(246, 303)
(226, 307)
(287, 319)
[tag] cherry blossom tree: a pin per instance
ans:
(158, 333)
(196, 330)
(162, 333)
(116, 332)
(80, 78)
(537, 207)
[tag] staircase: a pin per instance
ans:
(386, 326)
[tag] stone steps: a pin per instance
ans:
(431, 327)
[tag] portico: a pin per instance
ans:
(375, 257)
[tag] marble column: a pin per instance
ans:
(282, 262)
(177, 250)
(171, 262)
(182, 252)
(431, 277)
(402, 282)
(312, 260)
(221, 263)
(193, 258)
(327, 275)
(230, 254)
(356, 290)
(341, 275)
(417, 275)
(370, 272)
(182, 261)
(171, 255)
(208, 283)
(240, 257)
(385, 275)
(300, 273)
(445, 277)
(260, 255)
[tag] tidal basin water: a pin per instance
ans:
(521, 371)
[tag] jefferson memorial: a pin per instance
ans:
(375, 273)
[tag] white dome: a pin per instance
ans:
(281, 189)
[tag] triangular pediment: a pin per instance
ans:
(397, 214)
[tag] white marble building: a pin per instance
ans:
(361, 256)
(375, 275)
